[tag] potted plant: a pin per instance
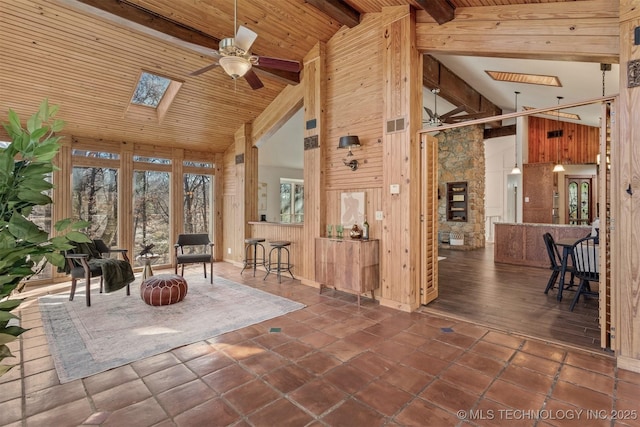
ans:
(25, 248)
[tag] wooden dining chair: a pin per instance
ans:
(586, 269)
(555, 263)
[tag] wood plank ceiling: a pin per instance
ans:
(88, 60)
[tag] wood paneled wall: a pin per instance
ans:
(625, 175)
(315, 206)
(578, 145)
(292, 233)
(354, 104)
(402, 98)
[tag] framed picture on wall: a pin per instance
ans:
(352, 208)
(262, 196)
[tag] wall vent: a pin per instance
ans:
(554, 133)
(396, 125)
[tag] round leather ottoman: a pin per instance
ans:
(163, 289)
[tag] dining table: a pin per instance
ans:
(566, 244)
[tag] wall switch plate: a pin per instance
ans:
(379, 215)
(526, 200)
(229, 251)
(394, 188)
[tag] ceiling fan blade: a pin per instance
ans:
(244, 38)
(254, 81)
(204, 69)
(278, 64)
(452, 113)
(430, 113)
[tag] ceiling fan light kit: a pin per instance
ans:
(235, 58)
(235, 66)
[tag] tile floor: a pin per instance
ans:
(331, 364)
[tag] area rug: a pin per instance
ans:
(118, 329)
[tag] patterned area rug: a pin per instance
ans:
(118, 329)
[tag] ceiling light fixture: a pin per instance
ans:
(516, 170)
(235, 66)
(558, 167)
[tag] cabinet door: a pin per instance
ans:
(325, 261)
(349, 267)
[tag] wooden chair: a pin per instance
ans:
(194, 249)
(585, 260)
(84, 262)
(555, 262)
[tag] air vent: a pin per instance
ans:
(395, 125)
(554, 133)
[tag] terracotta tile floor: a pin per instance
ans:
(332, 364)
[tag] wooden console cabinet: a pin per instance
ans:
(350, 265)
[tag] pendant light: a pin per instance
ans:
(558, 167)
(516, 170)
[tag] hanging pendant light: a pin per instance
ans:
(558, 167)
(516, 170)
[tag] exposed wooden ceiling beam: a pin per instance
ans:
(455, 90)
(337, 10)
(130, 12)
(440, 10)
(557, 31)
(498, 132)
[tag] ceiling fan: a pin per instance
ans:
(235, 58)
(435, 119)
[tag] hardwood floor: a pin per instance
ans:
(511, 298)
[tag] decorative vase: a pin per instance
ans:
(355, 232)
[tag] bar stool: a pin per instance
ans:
(252, 260)
(280, 265)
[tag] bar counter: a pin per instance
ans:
(283, 231)
(522, 244)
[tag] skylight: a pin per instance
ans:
(556, 114)
(152, 97)
(534, 79)
(150, 89)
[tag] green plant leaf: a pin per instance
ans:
(57, 125)
(56, 259)
(5, 352)
(9, 305)
(26, 230)
(5, 316)
(13, 331)
(5, 368)
(6, 338)
(76, 236)
(33, 124)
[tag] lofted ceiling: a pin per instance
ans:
(86, 56)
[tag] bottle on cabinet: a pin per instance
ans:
(365, 229)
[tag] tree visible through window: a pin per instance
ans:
(291, 200)
(150, 89)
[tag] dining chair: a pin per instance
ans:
(555, 263)
(194, 249)
(586, 269)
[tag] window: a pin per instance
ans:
(95, 199)
(152, 96)
(151, 201)
(150, 89)
(197, 203)
(291, 200)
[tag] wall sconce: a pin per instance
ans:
(348, 142)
